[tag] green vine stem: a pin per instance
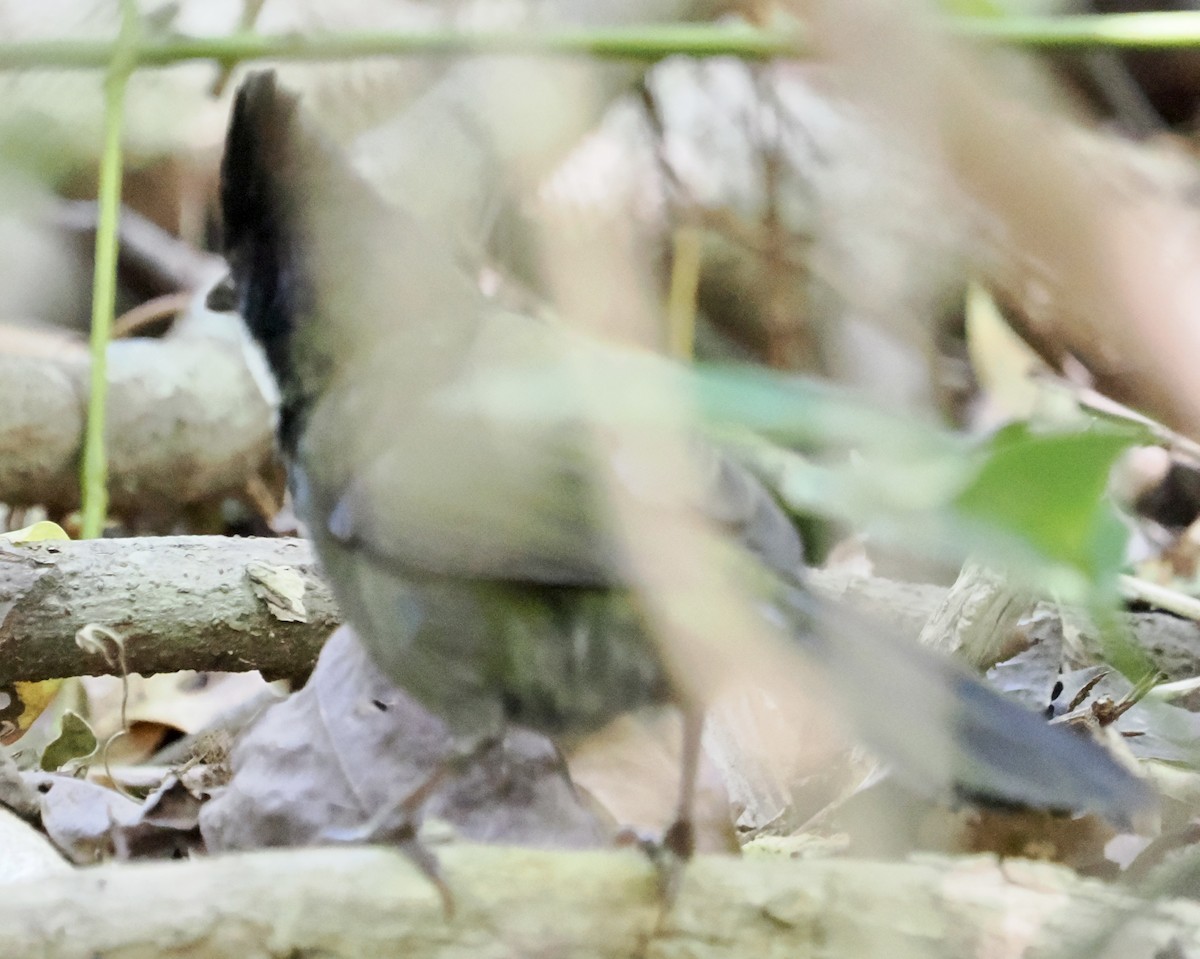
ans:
(640, 43)
(1157, 30)
(94, 469)
(1128, 31)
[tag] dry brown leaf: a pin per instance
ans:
(631, 769)
(350, 745)
(161, 705)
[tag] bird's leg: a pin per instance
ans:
(678, 843)
(396, 824)
(680, 837)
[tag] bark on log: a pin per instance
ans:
(180, 602)
(187, 420)
(368, 902)
(197, 602)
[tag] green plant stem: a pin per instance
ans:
(94, 468)
(1128, 31)
(641, 43)
(1159, 30)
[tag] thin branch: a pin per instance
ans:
(157, 260)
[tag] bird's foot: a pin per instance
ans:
(669, 854)
(398, 825)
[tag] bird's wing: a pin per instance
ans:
(948, 733)
(467, 489)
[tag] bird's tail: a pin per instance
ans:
(257, 152)
(298, 223)
(322, 269)
(259, 222)
(944, 731)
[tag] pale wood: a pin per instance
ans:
(371, 902)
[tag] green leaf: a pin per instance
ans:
(1048, 489)
(74, 741)
(800, 411)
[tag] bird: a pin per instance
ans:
(475, 552)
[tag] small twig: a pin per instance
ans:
(262, 498)
(1109, 409)
(1160, 597)
(152, 311)
(1085, 691)
(681, 300)
(1131, 31)
(164, 263)
(1108, 712)
(95, 638)
(249, 18)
